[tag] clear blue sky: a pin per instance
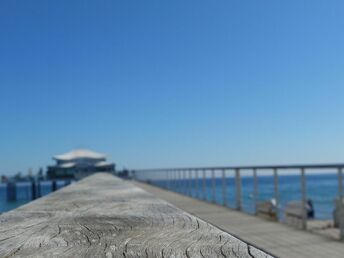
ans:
(172, 83)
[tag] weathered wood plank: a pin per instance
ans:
(103, 216)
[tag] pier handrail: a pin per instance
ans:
(293, 166)
(185, 173)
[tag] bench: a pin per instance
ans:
(338, 208)
(293, 214)
(338, 216)
(267, 210)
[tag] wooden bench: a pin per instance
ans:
(339, 212)
(266, 210)
(104, 216)
(293, 214)
(338, 209)
(338, 216)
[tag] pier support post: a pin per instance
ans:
(53, 185)
(33, 190)
(238, 189)
(303, 196)
(39, 194)
(11, 192)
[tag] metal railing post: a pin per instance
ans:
(193, 182)
(303, 196)
(224, 187)
(173, 174)
(340, 183)
(189, 183)
(196, 180)
(213, 186)
(340, 209)
(180, 184)
(276, 192)
(255, 190)
(204, 185)
(238, 189)
(184, 182)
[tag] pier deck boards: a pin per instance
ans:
(276, 238)
(103, 216)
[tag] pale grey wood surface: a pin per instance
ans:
(103, 216)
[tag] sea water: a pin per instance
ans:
(24, 193)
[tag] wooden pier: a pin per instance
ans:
(103, 216)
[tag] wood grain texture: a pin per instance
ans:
(103, 216)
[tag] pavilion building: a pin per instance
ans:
(77, 164)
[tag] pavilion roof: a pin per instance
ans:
(80, 154)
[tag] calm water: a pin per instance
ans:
(322, 189)
(24, 193)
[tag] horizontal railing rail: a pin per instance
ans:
(295, 166)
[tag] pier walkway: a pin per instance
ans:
(278, 239)
(104, 216)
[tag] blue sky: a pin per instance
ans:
(172, 83)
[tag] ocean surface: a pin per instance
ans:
(24, 193)
(322, 189)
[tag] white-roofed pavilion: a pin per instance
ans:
(78, 164)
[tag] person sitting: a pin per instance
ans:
(310, 209)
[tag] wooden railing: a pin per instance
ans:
(104, 216)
